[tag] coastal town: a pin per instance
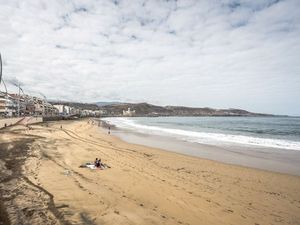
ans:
(17, 105)
(13, 105)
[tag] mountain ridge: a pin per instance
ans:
(146, 109)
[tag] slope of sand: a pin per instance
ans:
(143, 186)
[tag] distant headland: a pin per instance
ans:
(146, 109)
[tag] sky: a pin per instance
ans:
(220, 54)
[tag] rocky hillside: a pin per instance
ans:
(145, 109)
(141, 109)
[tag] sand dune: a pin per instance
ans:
(143, 186)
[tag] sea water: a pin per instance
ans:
(270, 132)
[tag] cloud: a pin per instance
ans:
(227, 53)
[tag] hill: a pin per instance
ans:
(145, 109)
(107, 103)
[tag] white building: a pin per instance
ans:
(67, 110)
(7, 106)
(128, 112)
(87, 112)
(60, 108)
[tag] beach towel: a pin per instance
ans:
(93, 167)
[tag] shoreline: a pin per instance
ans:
(269, 159)
(143, 186)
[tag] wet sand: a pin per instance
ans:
(41, 183)
(276, 160)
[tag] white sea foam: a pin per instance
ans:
(204, 137)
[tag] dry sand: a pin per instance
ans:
(41, 183)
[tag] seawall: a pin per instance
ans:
(20, 120)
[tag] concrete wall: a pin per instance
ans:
(9, 121)
(20, 120)
(53, 118)
(31, 120)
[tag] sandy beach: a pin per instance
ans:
(270, 159)
(41, 183)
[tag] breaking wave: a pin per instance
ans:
(203, 137)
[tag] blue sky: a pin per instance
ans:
(220, 54)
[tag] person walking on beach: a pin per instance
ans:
(109, 130)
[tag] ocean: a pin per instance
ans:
(269, 132)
